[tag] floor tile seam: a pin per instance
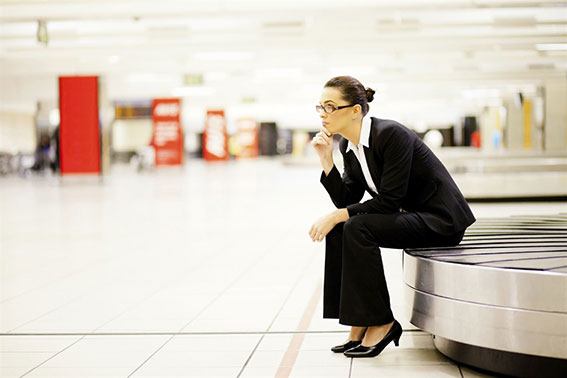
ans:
(102, 334)
(58, 279)
(155, 292)
(66, 276)
(460, 371)
(230, 285)
(150, 357)
(243, 367)
(300, 276)
(52, 357)
(418, 364)
(27, 351)
(83, 295)
(290, 355)
(74, 299)
(203, 309)
(66, 303)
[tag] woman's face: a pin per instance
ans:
(336, 121)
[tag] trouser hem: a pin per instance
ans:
(356, 321)
(330, 314)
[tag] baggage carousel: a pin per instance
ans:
(498, 300)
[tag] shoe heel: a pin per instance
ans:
(397, 339)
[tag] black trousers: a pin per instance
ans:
(355, 290)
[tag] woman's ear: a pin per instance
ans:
(356, 111)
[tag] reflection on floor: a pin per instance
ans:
(201, 271)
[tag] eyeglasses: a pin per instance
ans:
(330, 108)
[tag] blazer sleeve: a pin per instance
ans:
(343, 191)
(398, 149)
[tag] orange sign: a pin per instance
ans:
(247, 138)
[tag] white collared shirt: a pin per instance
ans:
(359, 151)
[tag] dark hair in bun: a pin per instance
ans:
(370, 94)
(353, 91)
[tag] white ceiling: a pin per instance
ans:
(459, 53)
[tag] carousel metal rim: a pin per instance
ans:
(468, 249)
(427, 258)
(475, 284)
(439, 255)
(485, 259)
(503, 329)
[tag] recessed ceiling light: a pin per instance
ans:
(551, 46)
(223, 55)
(193, 91)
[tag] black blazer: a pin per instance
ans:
(408, 176)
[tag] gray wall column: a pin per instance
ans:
(555, 133)
(514, 129)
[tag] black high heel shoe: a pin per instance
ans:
(372, 351)
(348, 345)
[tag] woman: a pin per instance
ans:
(415, 204)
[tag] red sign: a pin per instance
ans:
(167, 139)
(215, 138)
(79, 127)
(247, 138)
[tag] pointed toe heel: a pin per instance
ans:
(346, 346)
(393, 334)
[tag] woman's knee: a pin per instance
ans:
(354, 223)
(354, 227)
(357, 228)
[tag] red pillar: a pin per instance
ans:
(79, 125)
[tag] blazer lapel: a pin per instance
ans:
(355, 167)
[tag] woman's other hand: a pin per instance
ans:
(325, 224)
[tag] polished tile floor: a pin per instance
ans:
(200, 271)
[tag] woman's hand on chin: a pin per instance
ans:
(323, 144)
(325, 224)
